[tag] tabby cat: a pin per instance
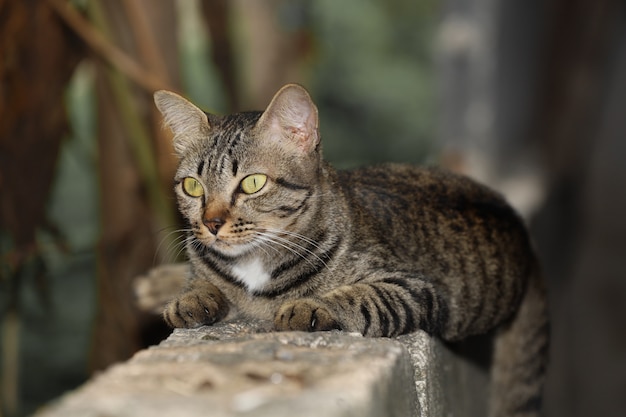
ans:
(275, 233)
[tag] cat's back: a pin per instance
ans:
(396, 188)
(429, 209)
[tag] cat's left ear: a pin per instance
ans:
(291, 117)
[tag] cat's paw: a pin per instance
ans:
(199, 306)
(306, 315)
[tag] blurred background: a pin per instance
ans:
(527, 96)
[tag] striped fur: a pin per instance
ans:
(382, 251)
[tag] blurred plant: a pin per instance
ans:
(135, 156)
(31, 127)
(374, 79)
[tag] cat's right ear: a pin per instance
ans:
(186, 121)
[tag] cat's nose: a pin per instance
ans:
(213, 224)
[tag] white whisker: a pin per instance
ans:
(182, 246)
(179, 239)
(270, 239)
(293, 247)
(296, 235)
(260, 244)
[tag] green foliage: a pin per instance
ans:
(56, 295)
(200, 79)
(374, 79)
(74, 205)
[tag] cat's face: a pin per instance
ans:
(248, 178)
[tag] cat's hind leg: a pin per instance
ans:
(159, 286)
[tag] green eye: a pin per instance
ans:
(192, 187)
(253, 183)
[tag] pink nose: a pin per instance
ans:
(214, 224)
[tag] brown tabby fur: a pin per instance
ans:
(382, 251)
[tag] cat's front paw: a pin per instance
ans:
(306, 315)
(199, 306)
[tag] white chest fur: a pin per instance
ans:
(252, 273)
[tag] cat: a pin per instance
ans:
(275, 233)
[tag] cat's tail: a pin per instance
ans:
(521, 356)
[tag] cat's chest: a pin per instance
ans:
(251, 272)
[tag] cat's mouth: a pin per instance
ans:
(227, 244)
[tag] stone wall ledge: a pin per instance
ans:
(239, 369)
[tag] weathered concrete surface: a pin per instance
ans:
(233, 370)
(450, 381)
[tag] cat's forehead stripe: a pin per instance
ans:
(233, 143)
(200, 167)
(231, 130)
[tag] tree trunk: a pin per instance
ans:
(134, 210)
(32, 123)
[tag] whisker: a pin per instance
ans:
(261, 244)
(292, 247)
(161, 230)
(265, 242)
(182, 245)
(171, 242)
(305, 238)
(271, 239)
(177, 247)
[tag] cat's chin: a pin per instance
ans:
(232, 250)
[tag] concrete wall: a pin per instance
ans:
(238, 369)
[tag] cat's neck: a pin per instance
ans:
(253, 271)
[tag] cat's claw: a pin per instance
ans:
(305, 315)
(195, 308)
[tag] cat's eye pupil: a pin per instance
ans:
(192, 187)
(253, 183)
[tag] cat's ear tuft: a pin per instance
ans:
(186, 121)
(291, 117)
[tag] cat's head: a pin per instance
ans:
(247, 178)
